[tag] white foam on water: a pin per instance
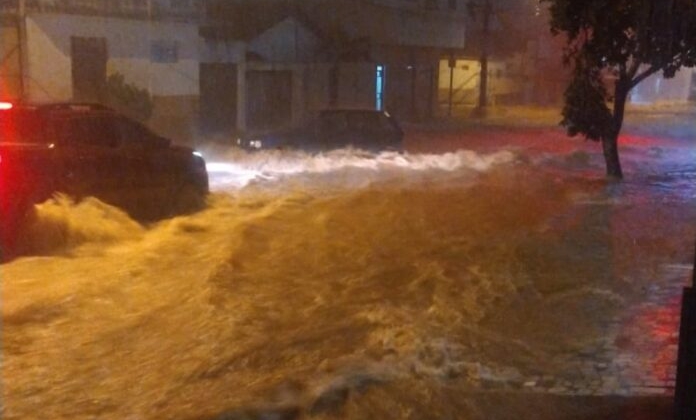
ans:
(233, 168)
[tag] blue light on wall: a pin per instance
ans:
(380, 79)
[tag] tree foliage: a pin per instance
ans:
(621, 40)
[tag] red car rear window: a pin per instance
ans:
(22, 126)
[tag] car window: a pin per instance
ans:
(333, 122)
(104, 130)
(131, 132)
(387, 123)
(363, 120)
(22, 126)
(136, 135)
(93, 130)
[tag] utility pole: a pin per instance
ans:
(22, 48)
(483, 87)
(486, 11)
(452, 61)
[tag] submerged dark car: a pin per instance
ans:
(364, 129)
(90, 150)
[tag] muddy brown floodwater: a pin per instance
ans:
(349, 286)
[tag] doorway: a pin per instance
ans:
(269, 99)
(88, 58)
(218, 102)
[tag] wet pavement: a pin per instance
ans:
(638, 354)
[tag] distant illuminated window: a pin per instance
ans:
(164, 51)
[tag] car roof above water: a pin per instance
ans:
(61, 106)
(350, 111)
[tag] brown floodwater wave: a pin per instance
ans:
(368, 292)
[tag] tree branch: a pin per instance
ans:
(644, 75)
(623, 74)
(633, 69)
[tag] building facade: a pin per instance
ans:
(69, 49)
(314, 54)
(232, 65)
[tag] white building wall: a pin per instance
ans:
(288, 41)
(656, 88)
(222, 51)
(10, 68)
(129, 44)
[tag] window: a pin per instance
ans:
(332, 122)
(387, 124)
(164, 51)
(136, 135)
(132, 133)
(363, 120)
(97, 130)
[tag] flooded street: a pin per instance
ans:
(354, 285)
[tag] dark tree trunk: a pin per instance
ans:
(611, 157)
(610, 144)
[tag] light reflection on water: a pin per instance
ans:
(312, 282)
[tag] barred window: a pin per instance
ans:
(164, 51)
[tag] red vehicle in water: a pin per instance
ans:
(89, 150)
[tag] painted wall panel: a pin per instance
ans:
(130, 49)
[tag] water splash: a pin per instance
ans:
(61, 224)
(233, 168)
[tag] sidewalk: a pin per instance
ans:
(522, 406)
(654, 119)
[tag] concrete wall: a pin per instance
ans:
(288, 41)
(173, 83)
(356, 87)
(315, 84)
(390, 26)
(129, 44)
(425, 4)
(656, 89)
(10, 78)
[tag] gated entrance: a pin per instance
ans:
(218, 100)
(88, 59)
